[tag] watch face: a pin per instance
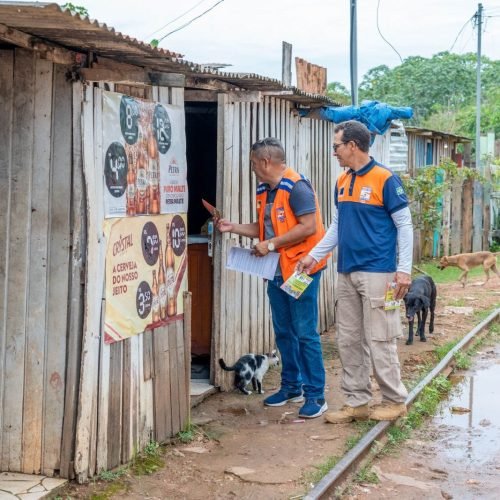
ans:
(270, 246)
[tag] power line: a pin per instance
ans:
(177, 18)
(189, 22)
(460, 32)
(385, 39)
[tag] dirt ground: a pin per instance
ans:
(250, 451)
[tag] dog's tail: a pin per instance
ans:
(225, 367)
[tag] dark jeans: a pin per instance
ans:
(295, 326)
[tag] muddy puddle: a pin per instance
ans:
(468, 425)
(457, 453)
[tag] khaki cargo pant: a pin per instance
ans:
(367, 335)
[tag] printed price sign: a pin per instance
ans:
(146, 262)
(144, 164)
(115, 169)
(143, 300)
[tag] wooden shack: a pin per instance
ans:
(72, 404)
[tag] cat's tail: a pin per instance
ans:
(225, 367)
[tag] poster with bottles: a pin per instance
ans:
(144, 157)
(146, 261)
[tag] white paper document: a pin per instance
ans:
(241, 259)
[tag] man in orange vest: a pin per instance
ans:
(289, 222)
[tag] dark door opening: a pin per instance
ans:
(201, 152)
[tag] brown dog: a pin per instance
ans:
(466, 261)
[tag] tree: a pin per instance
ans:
(338, 93)
(76, 9)
(439, 87)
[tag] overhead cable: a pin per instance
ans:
(460, 32)
(189, 22)
(385, 39)
(176, 19)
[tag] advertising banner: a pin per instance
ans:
(144, 148)
(146, 261)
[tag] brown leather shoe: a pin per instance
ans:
(388, 411)
(347, 414)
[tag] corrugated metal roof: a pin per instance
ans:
(54, 24)
(446, 135)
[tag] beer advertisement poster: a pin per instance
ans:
(146, 262)
(144, 157)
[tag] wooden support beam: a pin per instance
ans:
(196, 82)
(277, 93)
(138, 76)
(200, 95)
(53, 53)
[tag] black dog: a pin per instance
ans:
(420, 298)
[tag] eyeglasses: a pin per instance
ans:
(336, 146)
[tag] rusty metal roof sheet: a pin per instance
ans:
(52, 23)
(436, 133)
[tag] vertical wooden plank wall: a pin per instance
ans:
(16, 288)
(35, 227)
(242, 320)
(7, 111)
(76, 286)
(136, 390)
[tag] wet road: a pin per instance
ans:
(457, 454)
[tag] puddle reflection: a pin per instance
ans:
(473, 437)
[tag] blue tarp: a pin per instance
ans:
(377, 116)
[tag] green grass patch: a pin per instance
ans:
(442, 350)
(425, 406)
(112, 475)
(366, 475)
(449, 274)
(482, 315)
(321, 470)
(463, 360)
(111, 490)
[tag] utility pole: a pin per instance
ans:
(354, 54)
(479, 23)
(477, 208)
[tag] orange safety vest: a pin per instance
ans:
(283, 219)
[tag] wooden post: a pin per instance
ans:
(286, 64)
(456, 217)
(188, 297)
(467, 217)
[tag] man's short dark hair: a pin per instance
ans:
(355, 131)
(270, 148)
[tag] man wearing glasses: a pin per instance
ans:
(289, 222)
(374, 234)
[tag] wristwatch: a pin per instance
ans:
(271, 247)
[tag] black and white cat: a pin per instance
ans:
(251, 367)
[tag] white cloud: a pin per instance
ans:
(248, 34)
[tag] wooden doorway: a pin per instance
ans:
(201, 151)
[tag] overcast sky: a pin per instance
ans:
(249, 34)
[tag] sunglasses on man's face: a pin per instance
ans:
(337, 146)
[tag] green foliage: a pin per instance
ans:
(153, 448)
(426, 189)
(112, 475)
(366, 475)
(462, 361)
(154, 42)
(425, 406)
(339, 93)
(442, 350)
(440, 89)
(76, 9)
